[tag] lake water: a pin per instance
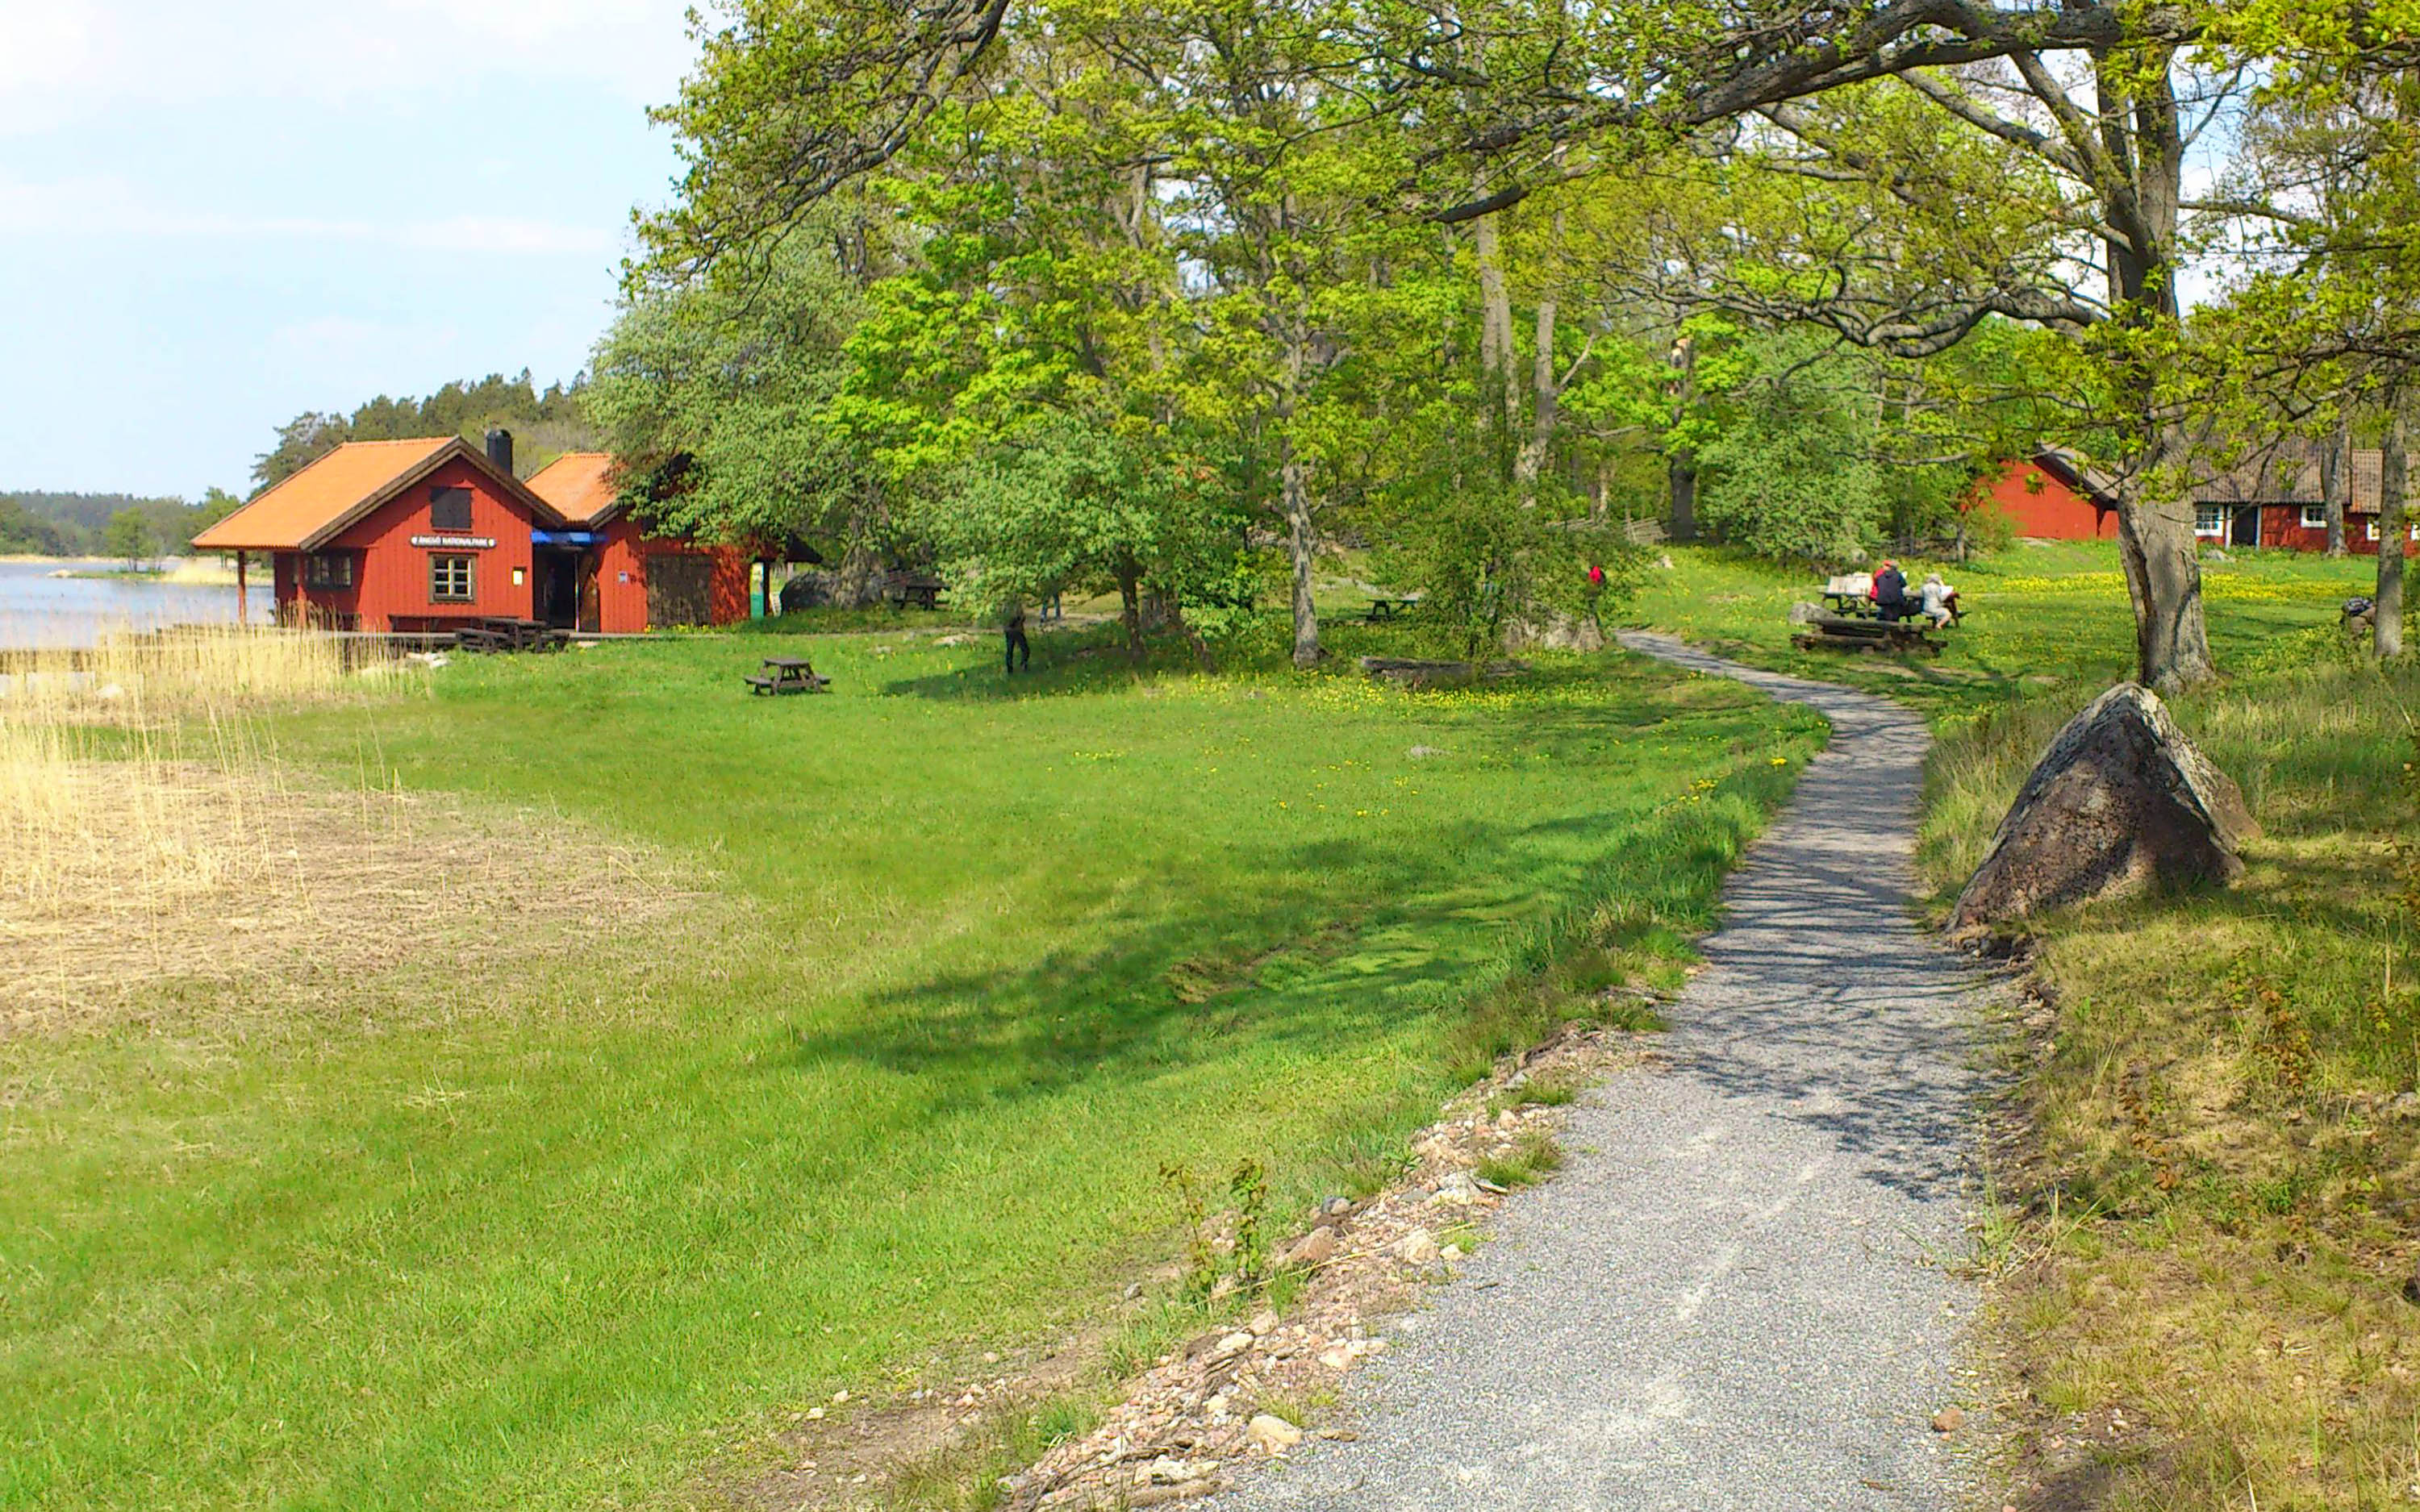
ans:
(39, 610)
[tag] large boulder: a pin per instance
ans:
(1555, 632)
(2121, 802)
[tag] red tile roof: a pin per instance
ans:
(301, 512)
(580, 484)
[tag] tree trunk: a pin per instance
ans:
(1547, 399)
(2386, 623)
(2142, 138)
(2335, 480)
(1130, 608)
(857, 582)
(1495, 351)
(2163, 579)
(1192, 637)
(1302, 536)
(1302, 543)
(1681, 462)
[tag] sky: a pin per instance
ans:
(215, 217)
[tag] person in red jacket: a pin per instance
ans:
(1890, 592)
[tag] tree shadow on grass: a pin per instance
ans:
(1305, 970)
(1074, 1015)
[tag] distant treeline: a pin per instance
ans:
(544, 424)
(37, 523)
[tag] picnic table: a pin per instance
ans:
(914, 587)
(498, 632)
(1383, 610)
(1852, 598)
(786, 674)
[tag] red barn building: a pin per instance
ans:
(2052, 496)
(433, 534)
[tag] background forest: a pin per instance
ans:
(1169, 299)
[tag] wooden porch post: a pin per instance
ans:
(243, 607)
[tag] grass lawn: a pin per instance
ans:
(2203, 1281)
(970, 967)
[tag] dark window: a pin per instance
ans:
(449, 579)
(449, 509)
(328, 569)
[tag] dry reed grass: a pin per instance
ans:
(149, 837)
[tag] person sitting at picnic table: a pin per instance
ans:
(1890, 592)
(1940, 600)
(1016, 646)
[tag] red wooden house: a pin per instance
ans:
(434, 534)
(2275, 500)
(2279, 500)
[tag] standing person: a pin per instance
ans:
(1016, 646)
(1890, 592)
(1595, 592)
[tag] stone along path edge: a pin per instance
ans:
(1741, 1292)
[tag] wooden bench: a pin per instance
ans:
(499, 633)
(786, 674)
(1837, 632)
(1384, 610)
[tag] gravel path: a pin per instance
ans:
(1730, 1297)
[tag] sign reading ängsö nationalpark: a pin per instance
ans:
(456, 543)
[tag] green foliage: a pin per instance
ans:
(23, 532)
(130, 538)
(544, 424)
(1789, 472)
(723, 390)
(35, 523)
(1485, 565)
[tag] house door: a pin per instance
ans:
(589, 621)
(558, 589)
(676, 589)
(2244, 530)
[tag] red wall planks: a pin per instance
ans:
(392, 576)
(623, 552)
(2041, 506)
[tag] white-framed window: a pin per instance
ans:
(450, 578)
(328, 569)
(2210, 520)
(2370, 526)
(2315, 516)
